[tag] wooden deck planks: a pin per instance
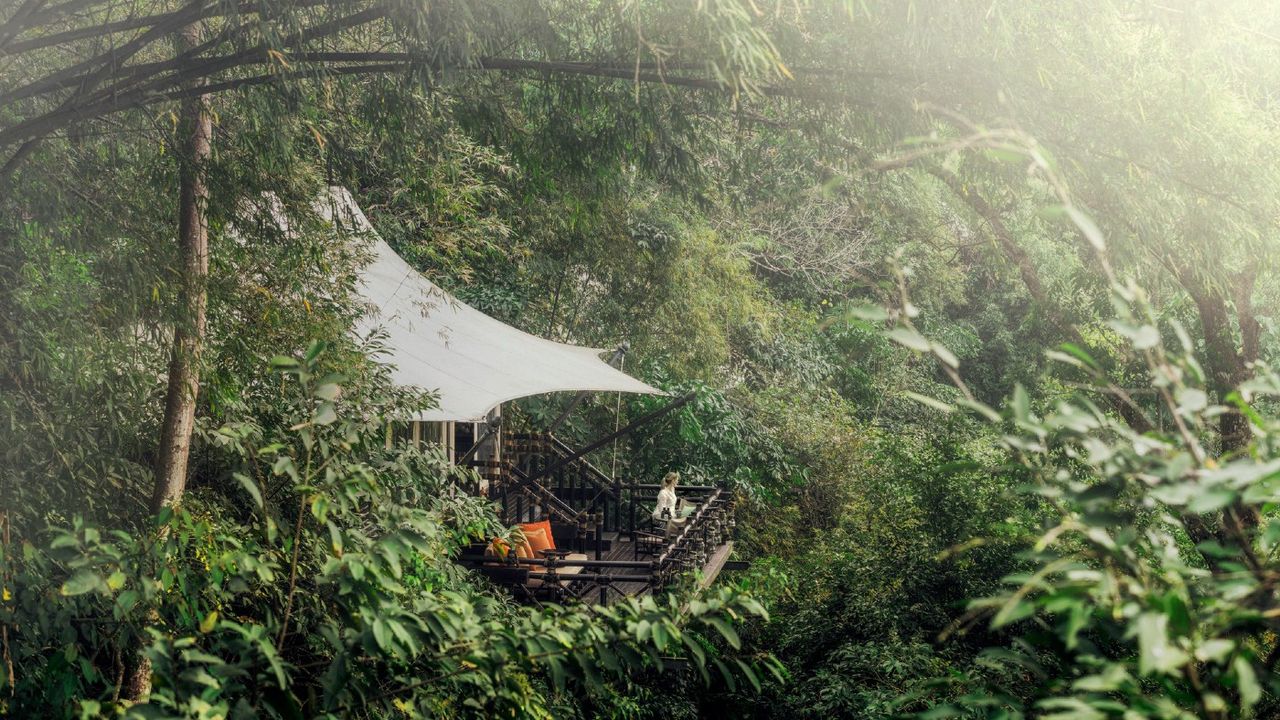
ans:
(622, 549)
(715, 564)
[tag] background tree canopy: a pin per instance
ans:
(977, 299)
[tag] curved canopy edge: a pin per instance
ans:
(473, 362)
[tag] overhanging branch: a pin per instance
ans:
(147, 84)
(137, 23)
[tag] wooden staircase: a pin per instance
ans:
(591, 513)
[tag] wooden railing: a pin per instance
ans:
(685, 550)
(600, 512)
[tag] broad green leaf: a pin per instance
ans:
(1087, 228)
(1211, 499)
(907, 337)
(944, 354)
(1215, 650)
(931, 402)
(382, 635)
(1155, 653)
(1064, 358)
(749, 674)
(1021, 404)
(209, 621)
(1192, 400)
(1247, 682)
(729, 678)
(868, 312)
(81, 582)
(726, 629)
(325, 414)
(250, 487)
(1078, 352)
(1013, 611)
(335, 538)
(201, 676)
(1146, 338)
(1109, 680)
(125, 602)
(982, 409)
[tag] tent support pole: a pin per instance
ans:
(490, 431)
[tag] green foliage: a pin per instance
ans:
(713, 440)
(1147, 594)
(862, 569)
(320, 584)
(744, 245)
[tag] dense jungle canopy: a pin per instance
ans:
(977, 300)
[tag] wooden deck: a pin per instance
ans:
(540, 477)
(715, 564)
(623, 549)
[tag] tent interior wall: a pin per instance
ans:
(457, 438)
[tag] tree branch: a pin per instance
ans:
(1119, 400)
(74, 74)
(48, 15)
(169, 87)
(113, 57)
(111, 100)
(136, 23)
(17, 22)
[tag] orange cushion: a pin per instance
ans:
(538, 541)
(539, 536)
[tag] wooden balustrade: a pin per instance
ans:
(610, 519)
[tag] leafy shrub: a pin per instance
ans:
(318, 582)
(1150, 590)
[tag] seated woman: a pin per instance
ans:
(667, 508)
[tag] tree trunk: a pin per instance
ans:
(1226, 365)
(194, 143)
(1250, 335)
(188, 336)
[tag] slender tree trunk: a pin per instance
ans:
(194, 141)
(188, 337)
(1250, 335)
(1225, 364)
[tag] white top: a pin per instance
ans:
(471, 361)
(666, 501)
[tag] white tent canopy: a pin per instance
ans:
(470, 360)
